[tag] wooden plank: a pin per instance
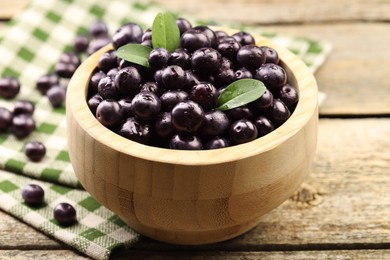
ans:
(285, 11)
(212, 255)
(11, 7)
(354, 76)
(344, 204)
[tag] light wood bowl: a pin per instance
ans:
(193, 197)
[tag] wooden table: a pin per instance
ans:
(343, 209)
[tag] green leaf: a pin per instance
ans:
(239, 93)
(165, 32)
(135, 53)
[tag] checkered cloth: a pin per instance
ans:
(29, 48)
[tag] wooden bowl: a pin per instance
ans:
(193, 197)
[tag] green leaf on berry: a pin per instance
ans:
(165, 32)
(239, 93)
(135, 53)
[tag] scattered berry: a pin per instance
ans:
(35, 151)
(65, 214)
(33, 194)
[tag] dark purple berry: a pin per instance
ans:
(242, 131)
(35, 151)
(271, 55)
(23, 107)
(224, 77)
(220, 34)
(158, 58)
(56, 95)
(33, 194)
(163, 125)
(183, 25)
(81, 43)
(187, 116)
(9, 87)
(229, 49)
(244, 38)
(107, 88)
(134, 130)
(242, 112)
(98, 29)
(94, 81)
(180, 57)
(173, 77)
(263, 103)
(210, 35)
(263, 125)
(97, 43)
(243, 73)
(273, 76)
(279, 113)
(22, 125)
(190, 80)
(171, 98)
(146, 106)
(5, 119)
(128, 33)
(250, 57)
(128, 80)
(67, 65)
(194, 39)
(45, 82)
(127, 110)
(215, 123)
(147, 36)
(206, 61)
(185, 141)
(226, 64)
(289, 96)
(216, 143)
(65, 214)
(151, 86)
(93, 102)
(205, 94)
(109, 112)
(107, 61)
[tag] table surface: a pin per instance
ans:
(343, 209)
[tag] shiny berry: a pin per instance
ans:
(187, 116)
(128, 80)
(98, 29)
(215, 123)
(171, 98)
(107, 61)
(128, 33)
(242, 131)
(263, 125)
(9, 87)
(229, 49)
(35, 151)
(279, 113)
(33, 194)
(206, 61)
(224, 77)
(262, 103)
(107, 88)
(272, 75)
(205, 94)
(243, 73)
(173, 77)
(22, 125)
(158, 58)
(239, 113)
(23, 107)
(147, 36)
(244, 38)
(67, 65)
(45, 82)
(289, 96)
(135, 130)
(5, 119)
(97, 43)
(194, 39)
(152, 86)
(65, 214)
(163, 125)
(209, 33)
(185, 141)
(56, 95)
(127, 110)
(191, 79)
(250, 57)
(146, 106)
(93, 103)
(109, 112)
(216, 143)
(180, 57)
(81, 43)
(220, 34)
(183, 25)
(271, 55)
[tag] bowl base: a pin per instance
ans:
(193, 237)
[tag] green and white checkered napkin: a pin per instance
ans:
(29, 48)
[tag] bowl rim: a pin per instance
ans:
(76, 106)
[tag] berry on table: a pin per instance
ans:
(33, 194)
(65, 214)
(35, 150)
